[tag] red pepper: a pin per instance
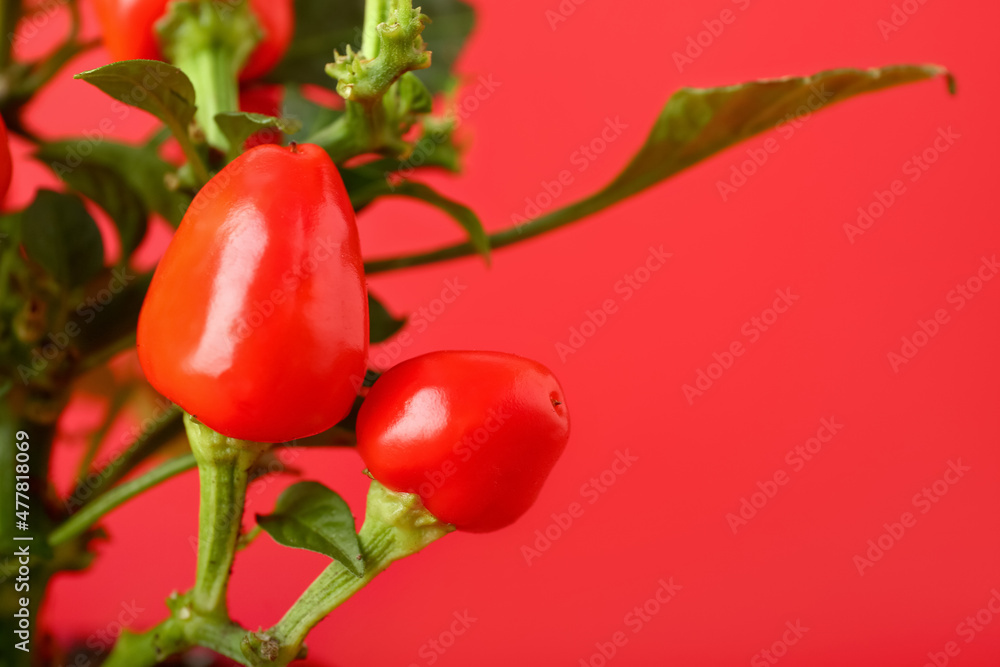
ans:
(127, 30)
(256, 321)
(474, 434)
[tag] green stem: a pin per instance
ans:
(376, 11)
(542, 225)
(214, 78)
(210, 42)
(168, 425)
(89, 515)
(223, 468)
(396, 525)
(10, 14)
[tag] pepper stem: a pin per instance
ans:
(223, 468)
(210, 42)
(396, 525)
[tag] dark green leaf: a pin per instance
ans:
(238, 126)
(310, 516)
(60, 235)
(320, 28)
(140, 167)
(108, 189)
(382, 324)
(161, 89)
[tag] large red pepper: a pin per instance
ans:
(127, 30)
(474, 434)
(256, 321)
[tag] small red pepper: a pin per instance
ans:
(257, 316)
(474, 434)
(128, 33)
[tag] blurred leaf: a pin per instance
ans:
(695, 124)
(139, 167)
(116, 320)
(699, 122)
(167, 93)
(310, 115)
(320, 28)
(368, 184)
(310, 516)
(382, 324)
(59, 234)
(238, 126)
(124, 206)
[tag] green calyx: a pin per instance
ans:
(400, 50)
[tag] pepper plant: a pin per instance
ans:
(254, 330)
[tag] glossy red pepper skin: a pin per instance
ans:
(256, 321)
(128, 31)
(474, 434)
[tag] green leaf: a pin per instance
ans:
(699, 122)
(139, 167)
(106, 188)
(382, 324)
(161, 89)
(319, 30)
(310, 115)
(59, 234)
(310, 516)
(366, 183)
(238, 126)
(462, 214)
(696, 124)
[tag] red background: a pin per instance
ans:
(825, 358)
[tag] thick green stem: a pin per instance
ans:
(376, 11)
(396, 525)
(80, 522)
(10, 14)
(223, 468)
(210, 41)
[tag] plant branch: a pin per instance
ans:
(80, 522)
